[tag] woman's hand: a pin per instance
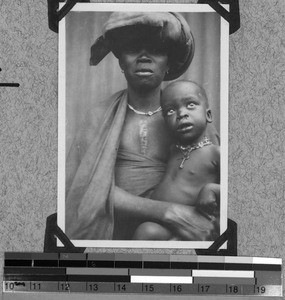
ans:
(192, 224)
(188, 224)
(185, 222)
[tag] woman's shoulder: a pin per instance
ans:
(95, 116)
(102, 106)
(118, 95)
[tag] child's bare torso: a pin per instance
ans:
(183, 185)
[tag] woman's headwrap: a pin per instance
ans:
(169, 29)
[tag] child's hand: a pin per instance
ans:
(208, 201)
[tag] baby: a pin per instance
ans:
(194, 161)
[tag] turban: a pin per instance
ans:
(169, 29)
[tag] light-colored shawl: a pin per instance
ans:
(90, 176)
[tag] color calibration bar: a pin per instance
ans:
(142, 273)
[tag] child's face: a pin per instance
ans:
(185, 112)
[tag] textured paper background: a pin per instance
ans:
(28, 126)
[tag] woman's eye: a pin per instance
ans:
(131, 49)
(157, 51)
(170, 112)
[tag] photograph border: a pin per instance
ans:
(224, 92)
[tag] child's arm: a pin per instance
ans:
(208, 200)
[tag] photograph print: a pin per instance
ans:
(143, 125)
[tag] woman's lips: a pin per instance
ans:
(144, 72)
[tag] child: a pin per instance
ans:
(194, 161)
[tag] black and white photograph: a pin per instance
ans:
(143, 125)
(142, 149)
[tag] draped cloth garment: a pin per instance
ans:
(137, 173)
(90, 179)
(90, 176)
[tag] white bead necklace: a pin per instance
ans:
(149, 113)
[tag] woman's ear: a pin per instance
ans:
(209, 116)
(168, 65)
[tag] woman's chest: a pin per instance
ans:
(146, 135)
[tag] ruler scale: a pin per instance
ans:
(142, 274)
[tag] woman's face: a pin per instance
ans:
(144, 65)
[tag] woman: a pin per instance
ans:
(109, 172)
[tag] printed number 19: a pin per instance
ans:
(260, 289)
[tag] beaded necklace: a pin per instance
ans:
(149, 113)
(188, 149)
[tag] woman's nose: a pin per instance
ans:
(144, 56)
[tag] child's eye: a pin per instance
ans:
(191, 105)
(170, 112)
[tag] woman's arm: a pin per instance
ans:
(184, 221)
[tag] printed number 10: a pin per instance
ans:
(9, 285)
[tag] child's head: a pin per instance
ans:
(186, 111)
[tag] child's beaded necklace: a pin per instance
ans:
(188, 149)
